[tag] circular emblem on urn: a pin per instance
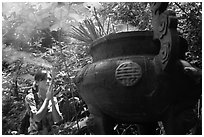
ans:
(128, 73)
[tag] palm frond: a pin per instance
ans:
(90, 30)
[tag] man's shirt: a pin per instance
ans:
(32, 108)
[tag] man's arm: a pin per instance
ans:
(42, 111)
(57, 116)
(37, 114)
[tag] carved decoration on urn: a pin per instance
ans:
(164, 24)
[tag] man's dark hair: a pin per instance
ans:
(40, 76)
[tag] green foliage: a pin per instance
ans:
(104, 22)
(136, 14)
(12, 111)
(86, 35)
(89, 32)
(190, 27)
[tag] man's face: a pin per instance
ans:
(43, 87)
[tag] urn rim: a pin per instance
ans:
(119, 35)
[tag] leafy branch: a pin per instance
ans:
(88, 31)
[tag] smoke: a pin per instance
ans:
(43, 15)
(10, 55)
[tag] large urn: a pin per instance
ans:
(122, 79)
(140, 77)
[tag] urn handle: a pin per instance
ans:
(164, 24)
